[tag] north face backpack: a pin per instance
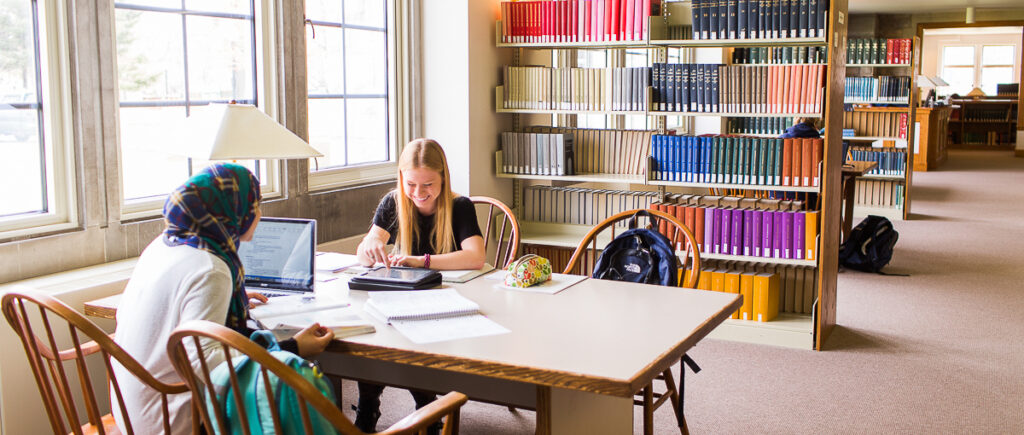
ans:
(256, 400)
(870, 245)
(640, 255)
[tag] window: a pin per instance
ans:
(173, 57)
(35, 171)
(351, 78)
(981, 66)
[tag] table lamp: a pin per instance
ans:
(241, 132)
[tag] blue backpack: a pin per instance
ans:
(256, 400)
(640, 255)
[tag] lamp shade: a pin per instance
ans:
(242, 132)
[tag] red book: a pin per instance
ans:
(903, 126)
(662, 224)
(772, 85)
(817, 153)
(787, 161)
(807, 161)
(906, 50)
(698, 226)
(819, 72)
(613, 19)
(688, 219)
(677, 237)
(587, 14)
(890, 51)
(626, 30)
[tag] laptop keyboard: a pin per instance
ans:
(272, 294)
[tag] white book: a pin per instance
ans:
(389, 306)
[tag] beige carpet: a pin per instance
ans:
(941, 351)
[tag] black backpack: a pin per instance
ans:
(640, 255)
(870, 245)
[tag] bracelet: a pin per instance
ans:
(426, 261)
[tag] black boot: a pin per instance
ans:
(368, 411)
(366, 420)
(423, 399)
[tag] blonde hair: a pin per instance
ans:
(427, 154)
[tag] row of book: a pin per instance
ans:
(737, 160)
(796, 291)
(738, 89)
(750, 227)
(679, 32)
(759, 19)
(595, 89)
(760, 290)
(537, 153)
(891, 161)
(986, 115)
(879, 193)
(576, 20)
(768, 125)
(600, 151)
(779, 55)
(580, 206)
(876, 124)
(878, 51)
(986, 138)
(883, 89)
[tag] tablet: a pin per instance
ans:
(398, 274)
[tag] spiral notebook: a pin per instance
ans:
(389, 306)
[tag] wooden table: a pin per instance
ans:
(852, 170)
(577, 357)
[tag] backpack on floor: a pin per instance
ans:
(256, 400)
(640, 255)
(870, 245)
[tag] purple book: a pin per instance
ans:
(777, 234)
(709, 228)
(799, 230)
(726, 232)
(787, 234)
(748, 233)
(717, 235)
(737, 232)
(755, 232)
(767, 219)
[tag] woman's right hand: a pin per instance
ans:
(371, 251)
(313, 340)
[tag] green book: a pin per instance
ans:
(755, 159)
(762, 161)
(739, 170)
(713, 161)
(769, 161)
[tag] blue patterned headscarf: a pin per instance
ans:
(211, 211)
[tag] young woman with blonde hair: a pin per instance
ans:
(430, 227)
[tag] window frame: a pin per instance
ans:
(401, 33)
(55, 84)
(264, 29)
(977, 67)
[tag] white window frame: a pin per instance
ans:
(402, 86)
(977, 65)
(266, 78)
(55, 82)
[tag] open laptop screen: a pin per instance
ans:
(280, 255)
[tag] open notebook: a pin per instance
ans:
(418, 305)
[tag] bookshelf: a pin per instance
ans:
(884, 130)
(808, 327)
(987, 124)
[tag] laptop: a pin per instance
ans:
(278, 261)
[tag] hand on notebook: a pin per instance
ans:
(313, 340)
(262, 299)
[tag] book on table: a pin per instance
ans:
(393, 306)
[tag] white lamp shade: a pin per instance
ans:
(241, 132)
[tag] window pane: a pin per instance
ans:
(365, 13)
(993, 75)
(997, 55)
(367, 130)
(167, 4)
(327, 130)
(147, 166)
(957, 56)
(961, 80)
(225, 6)
(325, 73)
(149, 56)
(220, 59)
(323, 10)
(365, 62)
(25, 162)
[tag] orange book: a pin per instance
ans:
(772, 87)
(704, 280)
(731, 283)
(795, 175)
(662, 225)
(787, 161)
(811, 237)
(819, 88)
(747, 290)
(718, 280)
(817, 152)
(766, 297)
(688, 218)
(783, 88)
(698, 227)
(807, 166)
(678, 239)
(811, 83)
(794, 88)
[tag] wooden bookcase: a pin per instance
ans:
(984, 123)
(808, 331)
(886, 195)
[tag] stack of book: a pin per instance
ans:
(760, 290)
(778, 55)
(580, 206)
(737, 160)
(604, 151)
(540, 21)
(891, 161)
(884, 89)
(595, 89)
(796, 284)
(878, 51)
(537, 153)
(876, 124)
(759, 19)
(733, 88)
(769, 125)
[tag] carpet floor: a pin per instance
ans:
(940, 351)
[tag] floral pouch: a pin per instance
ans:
(528, 270)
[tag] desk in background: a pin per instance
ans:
(576, 357)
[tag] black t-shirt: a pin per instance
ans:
(464, 223)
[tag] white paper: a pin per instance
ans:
(557, 283)
(449, 328)
(464, 274)
(334, 262)
(281, 305)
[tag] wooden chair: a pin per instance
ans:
(685, 243)
(309, 396)
(507, 248)
(48, 364)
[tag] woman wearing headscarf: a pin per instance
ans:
(192, 271)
